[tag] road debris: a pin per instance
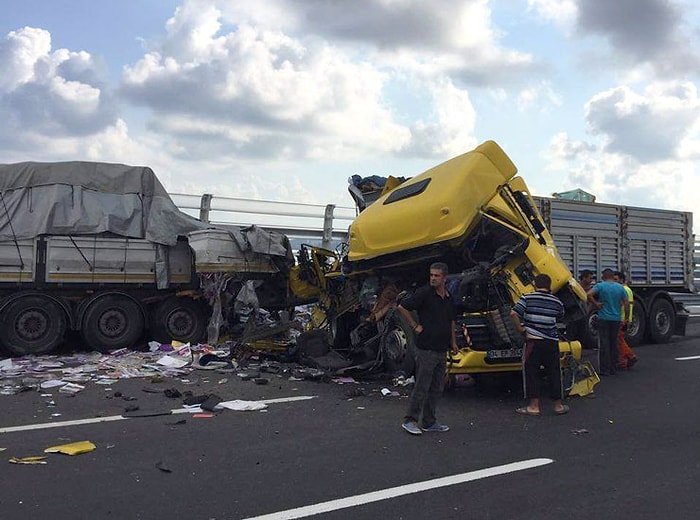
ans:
(74, 448)
(28, 460)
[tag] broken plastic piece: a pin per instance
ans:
(27, 460)
(195, 399)
(146, 413)
(74, 448)
(210, 402)
(173, 393)
(161, 466)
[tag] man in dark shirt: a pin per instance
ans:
(435, 334)
(536, 316)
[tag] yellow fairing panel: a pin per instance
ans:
(446, 209)
(468, 361)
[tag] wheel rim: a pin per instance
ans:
(180, 323)
(32, 324)
(112, 323)
(633, 326)
(395, 345)
(663, 322)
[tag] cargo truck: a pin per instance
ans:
(101, 249)
(471, 212)
(653, 247)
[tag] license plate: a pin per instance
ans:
(504, 353)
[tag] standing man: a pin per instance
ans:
(627, 358)
(435, 334)
(536, 316)
(611, 300)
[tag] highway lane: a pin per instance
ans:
(629, 452)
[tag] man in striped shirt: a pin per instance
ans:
(536, 316)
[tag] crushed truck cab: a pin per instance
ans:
(473, 213)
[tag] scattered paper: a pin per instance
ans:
(169, 361)
(71, 388)
(345, 380)
(203, 415)
(6, 364)
(74, 448)
(52, 383)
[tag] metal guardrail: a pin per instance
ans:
(324, 225)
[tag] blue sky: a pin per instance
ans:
(286, 99)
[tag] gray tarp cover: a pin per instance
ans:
(80, 198)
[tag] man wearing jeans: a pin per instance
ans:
(611, 300)
(435, 333)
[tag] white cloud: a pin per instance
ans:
(562, 13)
(644, 151)
(451, 131)
(49, 94)
(541, 95)
(649, 126)
(251, 88)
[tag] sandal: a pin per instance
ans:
(565, 409)
(524, 411)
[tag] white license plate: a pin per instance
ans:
(505, 353)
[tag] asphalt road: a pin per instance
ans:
(632, 451)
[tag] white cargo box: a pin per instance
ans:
(216, 250)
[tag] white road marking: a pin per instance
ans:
(95, 420)
(687, 358)
(417, 487)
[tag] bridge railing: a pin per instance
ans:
(317, 224)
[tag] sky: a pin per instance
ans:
(286, 99)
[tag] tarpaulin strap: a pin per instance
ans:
(81, 253)
(14, 236)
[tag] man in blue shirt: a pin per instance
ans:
(536, 316)
(610, 298)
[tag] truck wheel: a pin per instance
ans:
(32, 324)
(112, 322)
(635, 329)
(180, 319)
(662, 321)
(398, 346)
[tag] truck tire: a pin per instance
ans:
(662, 321)
(180, 319)
(398, 346)
(112, 322)
(32, 324)
(635, 330)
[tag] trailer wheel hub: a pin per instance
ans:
(180, 322)
(112, 323)
(31, 325)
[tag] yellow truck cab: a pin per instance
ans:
(473, 213)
